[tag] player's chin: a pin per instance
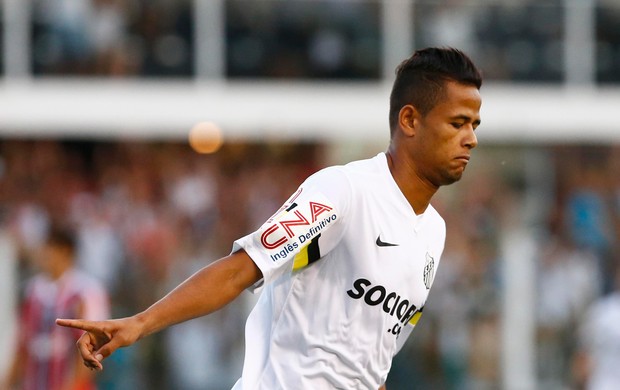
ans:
(452, 176)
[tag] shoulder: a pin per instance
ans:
(376, 165)
(607, 305)
(601, 313)
(35, 286)
(435, 218)
(351, 174)
(82, 283)
(331, 175)
(434, 227)
(343, 184)
(92, 293)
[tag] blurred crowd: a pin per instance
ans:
(112, 37)
(303, 39)
(148, 214)
(518, 42)
(146, 217)
(306, 39)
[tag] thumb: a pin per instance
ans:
(107, 349)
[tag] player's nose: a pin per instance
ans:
(470, 140)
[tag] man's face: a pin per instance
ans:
(445, 136)
(54, 259)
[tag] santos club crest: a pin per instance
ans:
(429, 271)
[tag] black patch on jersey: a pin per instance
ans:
(314, 253)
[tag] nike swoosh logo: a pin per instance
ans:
(382, 244)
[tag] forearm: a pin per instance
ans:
(206, 291)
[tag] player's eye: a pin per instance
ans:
(456, 125)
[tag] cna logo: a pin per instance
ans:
(296, 224)
(282, 230)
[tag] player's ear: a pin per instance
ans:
(408, 120)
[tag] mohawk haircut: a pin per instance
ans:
(420, 79)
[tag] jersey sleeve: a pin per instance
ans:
(306, 228)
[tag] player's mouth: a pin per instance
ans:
(464, 159)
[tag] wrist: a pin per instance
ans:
(142, 324)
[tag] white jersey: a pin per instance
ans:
(347, 266)
(601, 338)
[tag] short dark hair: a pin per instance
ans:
(62, 237)
(420, 79)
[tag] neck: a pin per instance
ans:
(57, 272)
(417, 191)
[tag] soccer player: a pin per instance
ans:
(345, 266)
(597, 359)
(45, 358)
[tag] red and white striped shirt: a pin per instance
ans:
(50, 349)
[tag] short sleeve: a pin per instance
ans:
(306, 228)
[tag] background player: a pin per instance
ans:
(45, 357)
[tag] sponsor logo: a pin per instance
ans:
(390, 302)
(429, 271)
(288, 205)
(383, 244)
(295, 225)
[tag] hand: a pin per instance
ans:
(103, 337)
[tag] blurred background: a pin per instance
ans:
(98, 97)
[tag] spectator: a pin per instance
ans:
(596, 364)
(588, 216)
(46, 358)
(568, 281)
(64, 46)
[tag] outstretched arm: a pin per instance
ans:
(206, 291)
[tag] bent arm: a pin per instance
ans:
(206, 291)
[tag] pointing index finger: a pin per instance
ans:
(88, 326)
